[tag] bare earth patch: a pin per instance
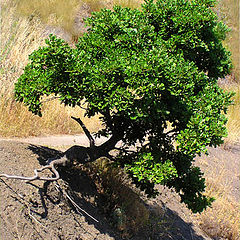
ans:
(40, 210)
(71, 208)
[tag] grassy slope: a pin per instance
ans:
(20, 35)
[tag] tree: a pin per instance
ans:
(152, 76)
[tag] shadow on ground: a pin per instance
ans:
(87, 202)
(76, 190)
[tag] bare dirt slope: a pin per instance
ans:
(44, 211)
(40, 210)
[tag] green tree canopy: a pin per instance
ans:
(152, 76)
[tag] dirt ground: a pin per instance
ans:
(71, 207)
(40, 210)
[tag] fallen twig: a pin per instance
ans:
(29, 213)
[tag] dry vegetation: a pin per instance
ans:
(221, 221)
(229, 10)
(55, 12)
(233, 124)
(17, 121)
(23, 28)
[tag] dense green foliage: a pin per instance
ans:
(152, 75)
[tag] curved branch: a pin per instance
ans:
(86, 131)
(50, 99)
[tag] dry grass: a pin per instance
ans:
(221, 221)
(229, 10)
(63, 13)
(128, 3)
(97, 5)
(19, 37)
(233, 115)
(52, 12)
(17, 121)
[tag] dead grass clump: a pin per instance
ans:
(19, 38)
(128, 3)
(230, 12)
(52, 12)
(63, 13)
(128, 212)
(96, 5)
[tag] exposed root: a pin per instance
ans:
(62, 161)
(78, 154)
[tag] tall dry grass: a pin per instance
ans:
(51, 12)
(230, 12)
(222, 220)
(17, 121)
(23, 29)
(19, 37)
(63, 13)
(233, 124)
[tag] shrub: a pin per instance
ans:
(152, 75)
